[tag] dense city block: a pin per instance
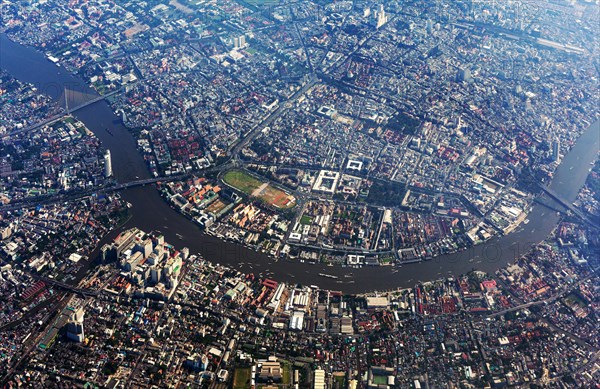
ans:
(346, 142)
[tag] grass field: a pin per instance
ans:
(241, 378)
(305, 219)
(242, 181)
(286, 378)
(380, 380)
(259, 189)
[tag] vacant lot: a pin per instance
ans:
(217, 206)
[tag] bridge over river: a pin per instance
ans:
(569, 206)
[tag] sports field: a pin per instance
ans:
(259, 189)
(241, 378)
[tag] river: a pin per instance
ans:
(150, 212)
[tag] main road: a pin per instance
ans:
(250, 135)
(565, 289)
(575, 338)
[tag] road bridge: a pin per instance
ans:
(74, 195)
(65, 286)
(61, 115)
(556, 197)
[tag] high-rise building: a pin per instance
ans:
(429, 26)
(319, 379)
(75, 326)
(464, 75)
(239, 42)
(381, 17)
(107, 164)
(556, 150)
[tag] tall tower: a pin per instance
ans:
(107, 165)
(381, 16)
(556, 150)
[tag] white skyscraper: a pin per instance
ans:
(107, 165)
(381, 16)
(239, 42)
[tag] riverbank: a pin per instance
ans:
(151, 212)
